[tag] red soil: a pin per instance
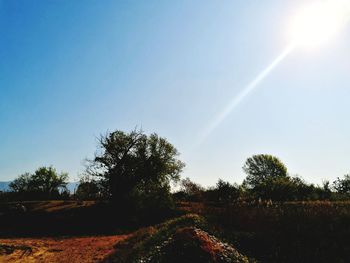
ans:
(73, 249)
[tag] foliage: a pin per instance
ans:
(227, 192)
(262, 167)
(88, 189)
(223, 192)
(275, 188)
(135, 170)
(313, 231)
(342, 186)
(22, 183)
(286, 188)
(189, 191)
(325, 192)
(44, 183)
(267, 179)
(289, 188)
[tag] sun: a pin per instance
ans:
(319, 22)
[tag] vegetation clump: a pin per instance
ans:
(181, 239)
(191, 244)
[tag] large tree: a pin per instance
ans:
(261, 169)
(131, 164)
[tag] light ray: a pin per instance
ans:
(314, 24)
(244, 93)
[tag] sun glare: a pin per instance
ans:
(319, 22)
(313, 25)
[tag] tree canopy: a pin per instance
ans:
(45, 181)
(342, 185)
(263, 167)
(131, 164)
(226, 192)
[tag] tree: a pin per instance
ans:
(191, 190)
(280, 188)
(47, 180)
(226, 192)
(324, 191)
(88, 189)
(303, 190)
(44, 183)
(22, 183)
(342, 186)
(262, 167)
(133, 167)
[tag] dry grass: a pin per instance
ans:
(310, 231)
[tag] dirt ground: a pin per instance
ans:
(72, 249)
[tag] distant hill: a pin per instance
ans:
(4, 186)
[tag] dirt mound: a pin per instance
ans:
(191, 244)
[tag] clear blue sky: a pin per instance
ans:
(70, 70)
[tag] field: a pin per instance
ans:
(72, 249)
(62, 218)
(317, 231)
(262, 232)
(55, 231)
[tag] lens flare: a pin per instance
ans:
(244, 93)
(318, 22)
(313, 25)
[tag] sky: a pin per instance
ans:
(72, 70)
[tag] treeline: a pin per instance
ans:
(267, 179)
(135, 171)
(131, 171)
(292, 189)
(44, 184)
